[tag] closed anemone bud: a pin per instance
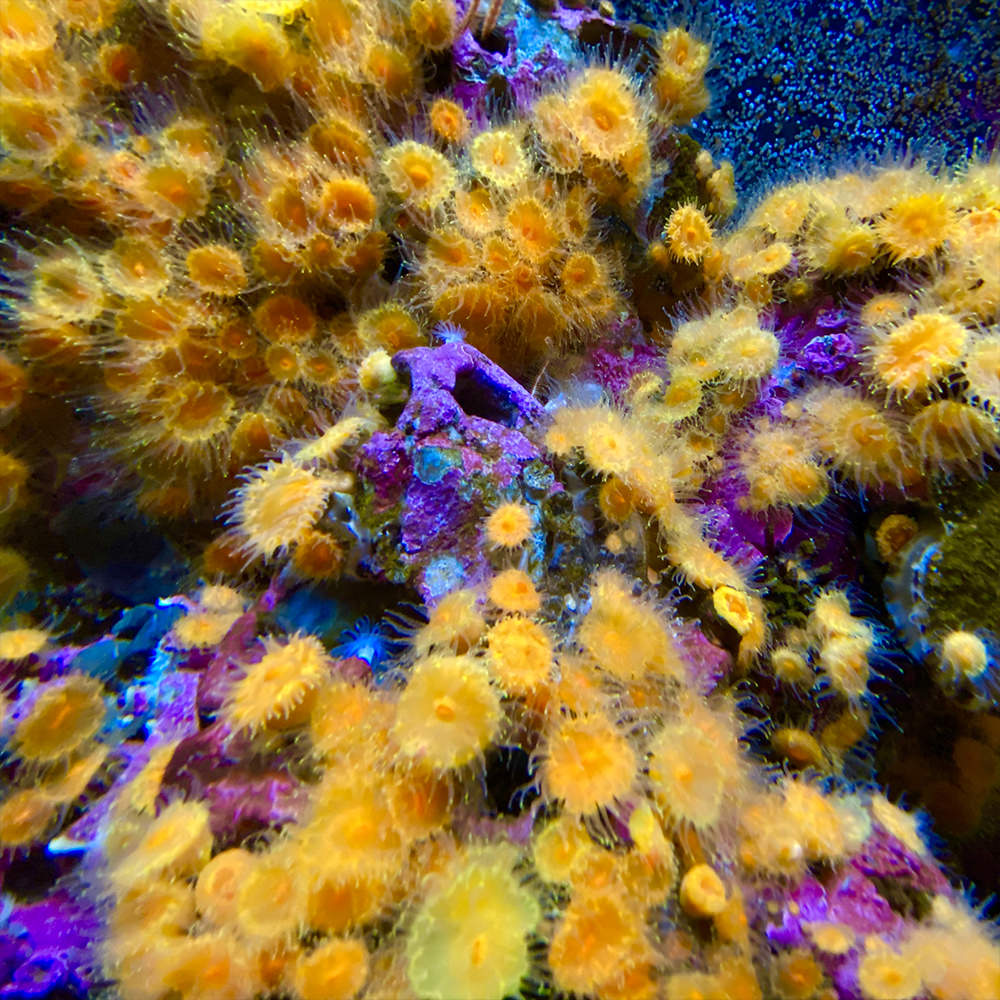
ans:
(588, 764)
(964, 656)
(278, 690)
(513, 590)
(893, 535)
(470, 935)
(702, 892)
(499, 157)
(419, 175)
(798, 747)
(448, 713)
(449, 120)
(733, 607)
(335, 970)
(375, 373)
(688, 234)
(318, 556)
(66, 713)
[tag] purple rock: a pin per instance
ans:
(614, 367)
(243, 802)
(177, 706)
(883, 856)
(855, 901)
(458, 445)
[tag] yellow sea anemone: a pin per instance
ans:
(449, 120)
(202, 629)
(454, 623)
(886, 974)
(509, 526)
(335, 970)
(66, 713)
(177, 842)
(216, 268)
(279, 690)
(598, 939)
(625, 636)
(587, 763)
(863, 439)
(499, 157)
(20, 643)
(688, 233)
(513, 590)
(520, 654)
(419, 175)
(797, 975)
(25, 816)
(604, 114)
(278, 504)
(469, 937)
(954, 435)
(911, 357)
(915, 225)
(448, 713)
(270, 897)
(347, 205)
(218, 884)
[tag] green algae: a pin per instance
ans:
(963, 586)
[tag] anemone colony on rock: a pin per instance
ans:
(444, 556)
